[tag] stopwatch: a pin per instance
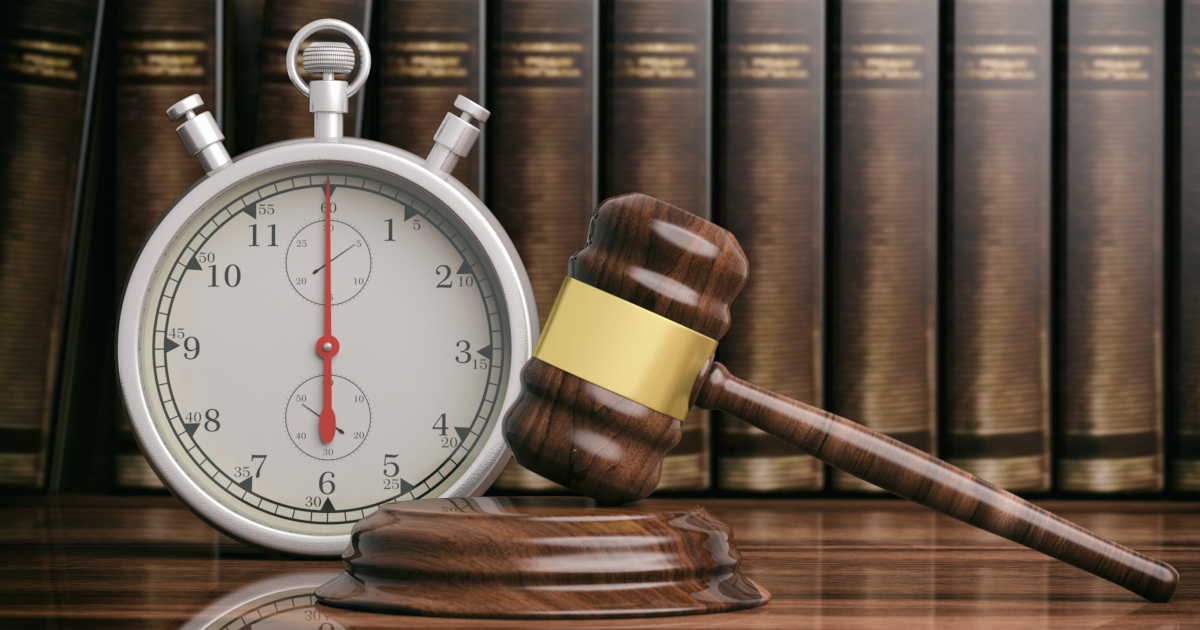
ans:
(323, 325)
(286, 600)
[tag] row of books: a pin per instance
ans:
(971, 224)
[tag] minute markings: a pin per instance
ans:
(457, 456)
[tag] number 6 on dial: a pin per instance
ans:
(230, 414)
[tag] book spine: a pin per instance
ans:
(543, 150)
(1185, 470)
(244, 46)
(282, 111)
(996, 289)
(882, 313)
(1185, 410)
(431, 52)
(657, 125)
(770, 187)
(47, 52)
(81, 451)
(167, 50)
(1110, 291)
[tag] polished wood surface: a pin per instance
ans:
(147, 562)
(541, 558)
(689, 270)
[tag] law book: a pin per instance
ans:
(1185, 438)
(431, 51)
(87, 403)
(46, 78)
(167, 51)
(243, 46)
(543, 159)
(770, 194)
(1110, 301)
(282, 111)
(996, 274)
(657, 118)
(882, 282)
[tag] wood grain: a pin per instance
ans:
(920, 477)
(541, 558)
(667, 261)
(148, 563)
(581, 435)
(686, 269)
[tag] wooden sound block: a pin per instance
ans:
(541, 557)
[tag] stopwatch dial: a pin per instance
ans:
(306, 261)
(304, 412)
(231, 367)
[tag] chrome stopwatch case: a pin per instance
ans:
(323, 325)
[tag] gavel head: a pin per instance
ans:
(620, 359)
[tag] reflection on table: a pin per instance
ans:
(146, 562)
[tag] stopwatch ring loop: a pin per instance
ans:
(360, 42)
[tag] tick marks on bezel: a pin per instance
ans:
(269, 499)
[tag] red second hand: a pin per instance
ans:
(327, 346)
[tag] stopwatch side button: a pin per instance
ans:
(200, 133)
(456, 136)
(184, 108)
(472, 109)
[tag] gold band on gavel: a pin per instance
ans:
(623, 348)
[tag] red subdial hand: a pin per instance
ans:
(327, 345)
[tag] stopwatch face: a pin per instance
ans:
(228, 346)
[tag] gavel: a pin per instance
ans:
(628, 348)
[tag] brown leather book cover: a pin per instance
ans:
(243, 36)
(283, 110)
(1185, 469)
(430, 52)
(657, 141)
(47, 50)
(883, 220)
(770, 194)
(167, 51)
(996, 298)
(1110, 300)
(542, 144)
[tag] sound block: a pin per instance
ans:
(541, 558)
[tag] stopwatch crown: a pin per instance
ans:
(328, 97)
(328, 58)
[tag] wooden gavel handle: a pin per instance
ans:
(920, 477)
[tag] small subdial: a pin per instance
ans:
(303, 417)
(350, 265)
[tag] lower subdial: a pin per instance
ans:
(350, 265)
(303, 417)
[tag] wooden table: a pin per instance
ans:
(146, 562)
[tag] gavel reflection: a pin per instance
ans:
(628, 348)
